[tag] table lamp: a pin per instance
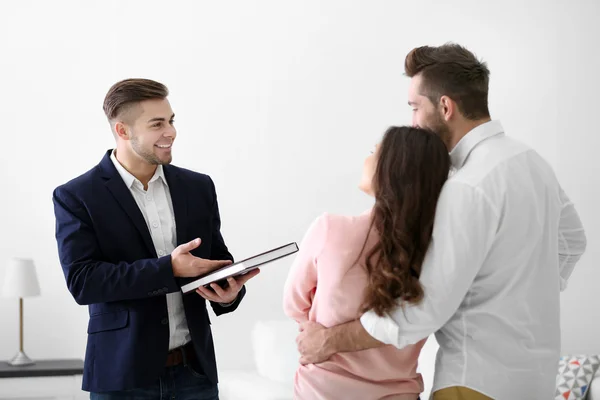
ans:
(21, 281)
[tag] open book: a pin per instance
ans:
(242, 267)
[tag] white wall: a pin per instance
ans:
(279, 102)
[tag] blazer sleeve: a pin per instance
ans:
(219, 251)
(92, 281)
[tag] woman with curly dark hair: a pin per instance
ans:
(347, 265)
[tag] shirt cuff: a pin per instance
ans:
(383, 329)
(228, 304)
(563, 284)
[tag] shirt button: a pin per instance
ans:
(161, 253)
(149, 198)
(165, 321)
(155, 224)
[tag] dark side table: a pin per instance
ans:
(46, 379)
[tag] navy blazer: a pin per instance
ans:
(110, 264)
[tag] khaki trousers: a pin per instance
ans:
(459, 393)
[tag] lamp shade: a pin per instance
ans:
(20, 279)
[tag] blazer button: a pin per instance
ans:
(165, 321)
(150, 293)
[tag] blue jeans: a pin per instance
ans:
(179, 382)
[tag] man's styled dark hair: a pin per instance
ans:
(451, 70)
(126, 93)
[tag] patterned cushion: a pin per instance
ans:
(575, 373)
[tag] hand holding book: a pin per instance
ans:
(240, 268)
(229, 292)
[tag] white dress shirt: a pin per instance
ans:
(157, 208)
(505, 241)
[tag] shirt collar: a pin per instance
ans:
(129, 179)
(463, 148)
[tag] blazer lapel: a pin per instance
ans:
(123, 196)
(179, 200)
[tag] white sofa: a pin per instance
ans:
(276, 360)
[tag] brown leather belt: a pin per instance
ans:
(175, 356)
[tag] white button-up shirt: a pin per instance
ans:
(505, 240)
(157, 208)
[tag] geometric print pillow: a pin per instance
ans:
(575, 374)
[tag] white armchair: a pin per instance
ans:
(275, 362)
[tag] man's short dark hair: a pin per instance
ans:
(122, 95)
(451, 70)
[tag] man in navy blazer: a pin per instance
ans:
(130, 232)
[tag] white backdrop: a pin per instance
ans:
(279, 102)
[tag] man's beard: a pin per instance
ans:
(437, 125)
(149, 156)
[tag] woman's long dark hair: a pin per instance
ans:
(412, 167)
